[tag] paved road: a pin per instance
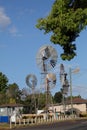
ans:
(64, 125)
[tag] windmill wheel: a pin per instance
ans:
(51, 78)
(46, 58)
(31, 81)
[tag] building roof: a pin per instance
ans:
(77, 101)
(74, 101)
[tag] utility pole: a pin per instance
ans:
(70, 73)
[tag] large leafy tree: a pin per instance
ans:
(66, 20)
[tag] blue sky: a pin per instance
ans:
(20, 41)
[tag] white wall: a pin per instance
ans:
(59, 108)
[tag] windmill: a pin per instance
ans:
(64, 84)
(46, 60)
(31, 82)
(50, 83)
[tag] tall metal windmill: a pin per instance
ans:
(31, 82)
(50, 83)
(64, 84)
(46, 60)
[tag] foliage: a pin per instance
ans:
(39, 101)
(3, 87)
(13, 93)
(58, 97)
(78, 96)
(3, 82)
(66, 20)
(2, 98)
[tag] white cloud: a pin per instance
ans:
(4, 19)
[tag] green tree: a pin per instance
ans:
(13, 93)
(66, 20)
(29, 102)
(3, 82)
(3, 87)
(58, 97)
(78, 96)
(41, 100)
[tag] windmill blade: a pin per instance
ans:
(53, 63)
(45, 53)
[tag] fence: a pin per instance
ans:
(37, 119)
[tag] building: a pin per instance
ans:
(7, 110)
(78, 105)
